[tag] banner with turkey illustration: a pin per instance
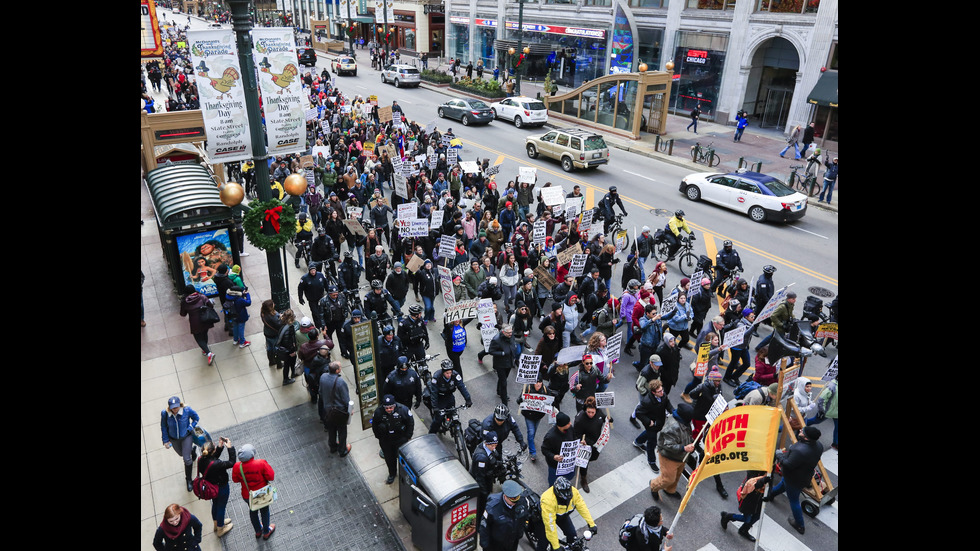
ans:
(215, 59)
(274, 52)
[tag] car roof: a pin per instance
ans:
(576, 131)
(756, 176)
(402, 66)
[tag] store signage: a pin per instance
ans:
(697, 56)
(434, 8)
(534, 27)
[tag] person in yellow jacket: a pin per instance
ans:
(557, 504)
(304, 233)
(277, 188)
(672, 232)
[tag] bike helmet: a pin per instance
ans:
(414, 309)
(501, 413)
(727, 244)
(375, 283)
(332, 289)
(302, 217)
(563, 489)
(769, 268)
(447, 365)
(492, 281)
(403, 363)
(348, 254)
(321, 231)
(679, 213)
(633, 284)
(388, 329)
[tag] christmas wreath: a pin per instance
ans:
(279, 216)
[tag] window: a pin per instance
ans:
(725, 181)
(712, 4)
(563, 140)
(648, 3)
(747, 186)
(788, 6)
(576, 144)
(549, 137)
(833, 57)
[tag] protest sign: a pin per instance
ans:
(826, 331)
(578, 265)
(544, 277)
(528, 368)
(355, 212)
(401, 186)
(436, 221)
(446, 283)
(569, 451)
(537, 402)
(417, 228)
(583, 456)
(414, 263)
(487, 322)
(571, 354)
(354, 227)
(527, 174)
(553, 195)
(603, 436)
(613, 345)
(462, 310)
(447, 248)
(469, 167)
(605, 399)
(565, 255)
(384, 113)
(734, 336)
(831, 372)
(540, 228)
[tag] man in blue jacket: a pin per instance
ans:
(177, 424)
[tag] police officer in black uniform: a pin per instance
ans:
(726, 260)
(606, 205)
(389, 348)
(505, 518)
(324, 252)
(346, 335)
(404, 383)
(484, 468)
(378, 299)
(313, 286)
(442, 389)
(413, 334)
(349, 273)
(333, 307)
(393, 425)
(502, 423)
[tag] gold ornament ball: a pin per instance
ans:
(231, 194)
(527, 50)
(669, 66)
(643, 67)
(511, 51)
(295, 184)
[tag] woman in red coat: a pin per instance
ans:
(254, 474)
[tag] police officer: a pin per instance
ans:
(349, 273)
(393, 425)
(505, 518)
(324, 251)
(442, 389)
(672, 233)
(606, 205)
(502, 423)
(333, 308)
(412, 332)
(378, 300)
(388, 350)
(346, 336)
(454, 335)
(726, 260)
(484, 468)
(765, 288)
(404, 383)
(313, 286)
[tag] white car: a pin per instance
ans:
(344, 64)
(522, 111)
(760, 196)
(401, 75)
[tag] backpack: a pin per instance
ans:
(473, 434)
(628, 529)
(202, 488)
(745, 388)
(595, 316)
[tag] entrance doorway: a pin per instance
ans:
(772, 79)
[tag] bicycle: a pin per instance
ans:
(728, 282)
(304, 249)
(706, 155)
(688, 262)
(451, 424)
(421, 367)
(615, 229)
(806, 183)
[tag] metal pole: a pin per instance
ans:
(520, 44)
(242, 25)
(350, 35)
(387, 44)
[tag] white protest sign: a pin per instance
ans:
(417, 228)
(462, 310)
(437, 218)
(528, 368)
(469, 167)
(831, 372)
(452, 155)
(355, 212)
(311, 114)
(527, 174)
(696, 278)
(487, 322)
(777, 298)
(668, 306)
(446, 283)
(401, 185)
(571, 354)
(573, 206)
(540, 229)
(717, 408)
(585, 225)
(568, 452)
(552, 195)
(603, 436)
(447, 249)
(582, 458)
(578, 265)
(613, 345)
(605, 399)
(433, 160)
(734, 336)
(537, 402)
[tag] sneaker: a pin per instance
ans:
(654, 467)
(243, 253)
(390, 479)
(244, 344)
(534, 458)
(272, 529)
(288, 382)
(639, 446)
(210, 358)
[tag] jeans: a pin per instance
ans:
(828, 188)
(739, 356)
(641, 261)
(261, 526)
(795, 147)
(650, 437)
(532, 429)
(430, 310)
(202, 340)
(219, 504)
(746, 520)
(793, 494)
(239, 336)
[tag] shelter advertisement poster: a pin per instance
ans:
(365, 371)
(274, 52)
(200, 255)
(218, 75)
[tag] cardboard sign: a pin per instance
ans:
(566, 254)
(527, 174)
(544, 277)
(528, 368)
(605, 399)
(306, 161)
(462, 310)
(553, 195)
(414, 263)
(384, 114)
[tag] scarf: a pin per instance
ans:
(171, 531)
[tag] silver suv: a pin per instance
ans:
(400, 75)
(573, 147)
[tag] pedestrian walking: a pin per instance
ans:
(808, 136)
(177, 424)
(750, 495)
(793, 141)
(196, 307)
(393, 425)
(797, 464)
(507, 515)
(695, 115)
(215, 471)
(255, 474)
(334, 407)
(241, 300)
(179, 530)
(741, 121)
(829, 181)
(674, 442)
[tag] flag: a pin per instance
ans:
(740, 439)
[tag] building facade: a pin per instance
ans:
(761, 56)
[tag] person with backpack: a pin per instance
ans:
(211, 483)
(749, 496)
(645, 532)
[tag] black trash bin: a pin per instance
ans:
(437, 495)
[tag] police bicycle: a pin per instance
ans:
(450, 423)
(620, 237)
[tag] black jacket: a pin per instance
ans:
(799, 461)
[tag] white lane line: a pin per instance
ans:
(615, 487)
(640, 175)
(809, 232)
(829, 460)
(709, 547)
(774, 537)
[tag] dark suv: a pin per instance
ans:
(307, 57)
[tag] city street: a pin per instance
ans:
(805, 253)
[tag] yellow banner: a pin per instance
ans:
(740, 439)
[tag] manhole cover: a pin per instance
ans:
(663, 213)
(820, 292)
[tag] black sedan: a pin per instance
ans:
(467, 111)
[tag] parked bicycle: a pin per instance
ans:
(451, 424)
(705, 154)
(805, 182)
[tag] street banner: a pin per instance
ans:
(537, 402)
(571, 354)
(583, 456)
(613, 345)
(527, 174)
(552, 195)
(384, 10)
(778, 297)
(569, 451)
(605, 399)
(462, 310)
(487, 322)
(446, 283)
(734, 336)
(528, 368)
(565, 255)
(740, 439)
(702, 360)
(578, 265)
(469, 167)
(365, 372)
(544, 277)
(447, 248)
(603, 436)
(218, 75)
(824, 330)
(538, 234)
(831, 372)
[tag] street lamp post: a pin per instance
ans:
(242, 25)
(520, 43)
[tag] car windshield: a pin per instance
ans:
(346, 60)
(594, 142)
(777, 188)
(534, 106)
(477, 104)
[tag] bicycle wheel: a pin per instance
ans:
(660, 250)
(688, 263)
(714, 159)
(461, 451)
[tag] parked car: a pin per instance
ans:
(467, 111)
(522, 111)
(760, 196)
(573, 147)
(307, 57)
(401, 75)
(344, 64)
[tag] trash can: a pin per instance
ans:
(437, 495)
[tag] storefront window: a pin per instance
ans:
(626, 91)
(712, 4)
(485, 37)
(410, 39)
(606, 105)
(559, 1)
(699, 60)
(650, 42)
(596, 2)
(648, 3)
(461, 40)
(789, 6)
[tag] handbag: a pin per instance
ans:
(335, 415)
(208, 315)
(261, 498)
(203, 488)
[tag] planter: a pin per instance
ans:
(478, 91)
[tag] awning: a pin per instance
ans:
(185, 195)
(825, 91)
